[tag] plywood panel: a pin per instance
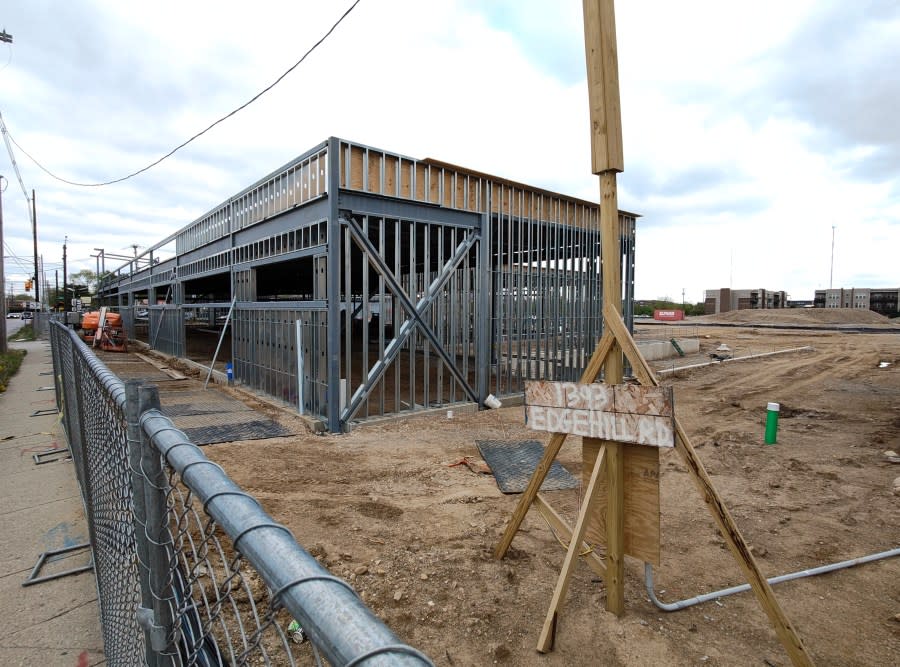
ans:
(420, 182)
(374, 171)
(356, 167)
(447, 187)
(390, 175)
(641, 479)
(406, 179)
(434, 183)
(445, 184)
(623, 413)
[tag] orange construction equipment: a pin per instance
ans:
(113, 338)
(90, 322)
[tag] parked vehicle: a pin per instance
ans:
(13, 316)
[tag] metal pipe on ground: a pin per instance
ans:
(667, 371)
(706, 597)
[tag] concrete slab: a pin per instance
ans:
(28, 489)
(67, 657)
(19, 459)
(30, 606)
(63, 525)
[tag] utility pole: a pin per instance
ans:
(37, 276)
(65, 278)
(3, 346)
(7, 38)
(56, 275)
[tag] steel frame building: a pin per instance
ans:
(365, 283)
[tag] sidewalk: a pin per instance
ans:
(54, 622)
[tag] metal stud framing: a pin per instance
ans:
(370, 284)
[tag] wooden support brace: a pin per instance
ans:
(564, 531)
(788, 636)
(548, 633)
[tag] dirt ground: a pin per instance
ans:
(384, 507)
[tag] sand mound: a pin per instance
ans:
(812, 316)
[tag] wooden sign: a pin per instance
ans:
(624, 413)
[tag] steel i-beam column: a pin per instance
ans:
(333, 343)
(483, 311)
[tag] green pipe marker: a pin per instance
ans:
(772, 422)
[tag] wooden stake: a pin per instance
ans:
(613, 372)
(602, 59)
(548, 633)
(607, 158)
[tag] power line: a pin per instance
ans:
(11, 255)
(12, 158)
(203, 131)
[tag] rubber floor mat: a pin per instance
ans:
(258, 429)
(200, 403)
(513, 463)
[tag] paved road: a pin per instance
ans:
(12, 326)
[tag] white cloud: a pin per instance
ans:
(739, 171)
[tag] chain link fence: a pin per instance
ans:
(190, 569)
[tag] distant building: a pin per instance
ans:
(726, 299)
(881, 300)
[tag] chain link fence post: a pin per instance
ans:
(154, 483)
(140, 488)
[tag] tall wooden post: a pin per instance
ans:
(606, 161)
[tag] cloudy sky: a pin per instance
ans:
(750, 130)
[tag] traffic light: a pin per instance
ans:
(28, 285)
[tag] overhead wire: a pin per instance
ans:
(11, 255)
(12, 158)
(201, 132)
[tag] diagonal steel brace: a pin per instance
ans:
(416, 313)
